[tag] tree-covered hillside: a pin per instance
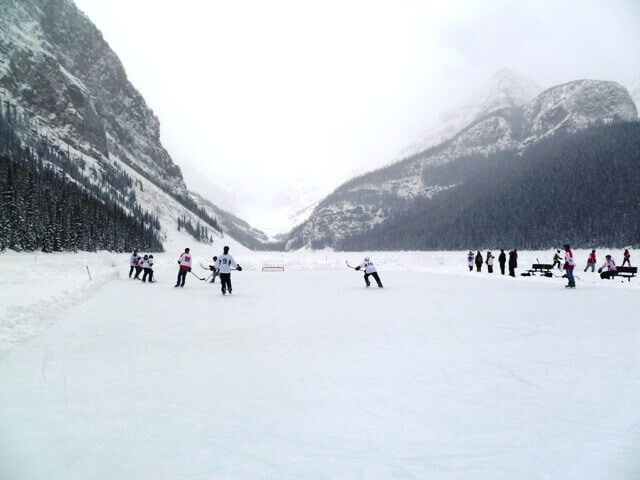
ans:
(582, 188)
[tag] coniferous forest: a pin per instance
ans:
(581, 188)
(40, 209)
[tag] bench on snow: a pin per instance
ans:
(543, 269)
(627, 272)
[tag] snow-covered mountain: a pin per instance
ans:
(634, 90)
(66, 87)
(506, 89)
(370, 199)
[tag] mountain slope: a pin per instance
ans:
(506, 89)
(578, 187)
(63, 86)
(371, 199)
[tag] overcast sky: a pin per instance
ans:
(277, 102)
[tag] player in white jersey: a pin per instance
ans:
(185, 266)
(369, 270)
(133, 262)
(225, 264)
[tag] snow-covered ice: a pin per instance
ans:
(443, 374)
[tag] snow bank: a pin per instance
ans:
(38, 288)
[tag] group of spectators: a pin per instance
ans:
(560, 261)
(489, 260)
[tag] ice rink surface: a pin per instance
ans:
(443, 374)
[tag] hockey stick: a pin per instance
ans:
(195, 275)
(349, 265)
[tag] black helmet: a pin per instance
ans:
(225, 249)
(186, 250)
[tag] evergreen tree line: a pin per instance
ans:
(41, 209)
(581, 188)
(20, 138)
(198, 231)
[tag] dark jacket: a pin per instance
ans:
(478, 259)
(502, 258)
(513, 259)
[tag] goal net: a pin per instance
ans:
(273, 268)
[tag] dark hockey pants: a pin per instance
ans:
(131, 270)
(182, 276)
(138, 270)
(502, 268)
(375, 277)
(148, 272)
(626, 262)
(225, 280)
(609, 274)
(490, 268)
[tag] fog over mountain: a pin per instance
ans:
(280, 94)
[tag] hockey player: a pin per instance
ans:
(138, 268)
(626, 257)
(556, 259)
(214, 270)
(569, 265)
(591, 261)
(609, 267)
(369, 270)
(185, 266)
(225, 264)
(133, 262)
(147, 265)
(470, 260)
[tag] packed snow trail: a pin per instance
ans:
(307, 374)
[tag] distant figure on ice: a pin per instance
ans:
(214, 270)
(224, 265)
(513, 262)
(608, 269)
(479, 261)
(591, 261)
(184, 263)
(569, 265)
(133, 262)
(147, 265)
(626, 258)
(470, 260)
(556, 259)
(502, 260)
(369, 270)
(489, 262)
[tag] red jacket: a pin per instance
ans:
(592, 258)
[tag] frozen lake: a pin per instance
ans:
(443, 374)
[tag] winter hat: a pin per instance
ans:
(366, 259)
(225, 249)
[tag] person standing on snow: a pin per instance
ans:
(479, 261)
(489, 262)
(626, 258)
(556, 259)
(470, 260)
(133, 262)
(214, 270)
(185, 266)
(513, 262)
(610, 266)
(147, 265)
(502, 260)
(569, 265)
(224, 265)
(369, 270)
(591, 262)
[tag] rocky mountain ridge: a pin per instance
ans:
(372, 198)
(66, 86)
